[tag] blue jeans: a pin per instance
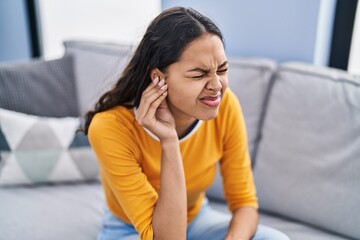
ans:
(209, 224)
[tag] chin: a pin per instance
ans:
(207, 116)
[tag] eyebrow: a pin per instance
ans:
(206, 70)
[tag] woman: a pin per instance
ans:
(160, 131)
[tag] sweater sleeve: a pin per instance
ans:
(118, 157)
(238, 182)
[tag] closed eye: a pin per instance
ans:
(199, 76)
(222, 71)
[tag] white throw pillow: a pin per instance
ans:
(37, 149)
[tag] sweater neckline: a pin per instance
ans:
(192, 130)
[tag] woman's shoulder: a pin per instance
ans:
(111, 129)
(116, 117)
(116, 112)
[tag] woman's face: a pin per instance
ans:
(197, 82)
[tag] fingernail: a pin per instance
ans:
(161, 83)
(156, 80)
(163, 87)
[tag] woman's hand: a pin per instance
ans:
(153, 112)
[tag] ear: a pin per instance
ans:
(156, 73)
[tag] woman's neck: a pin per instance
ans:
(182, 121)
(184, 130)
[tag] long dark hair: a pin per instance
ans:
(162, 45)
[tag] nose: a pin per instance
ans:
(214, 84)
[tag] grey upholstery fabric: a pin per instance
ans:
(74, 211)
(44, 88)
(97, 67)
(309, 157)
(249, 79)
(305, 168)
(57, 212)
(295, 230)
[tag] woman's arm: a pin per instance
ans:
(170, 213)
(243, 224)
(169, 219)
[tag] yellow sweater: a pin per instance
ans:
(130, 156)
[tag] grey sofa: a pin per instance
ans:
(303, 126)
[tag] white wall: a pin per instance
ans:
(354, 59)
(106, 20)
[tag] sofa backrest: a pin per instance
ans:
(97, 66)
(308, 160)
(249, 79)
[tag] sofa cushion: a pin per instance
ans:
(44, 88)
(37, 149)
(56, 212)
(309, 156)
(97, 67)
(249, 79)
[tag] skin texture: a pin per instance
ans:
(168, 107)
(187, 87)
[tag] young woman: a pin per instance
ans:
(160, 131)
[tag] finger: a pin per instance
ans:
(154, 83)
(157, 84)
(163, 104)
(156, 80)
(161, 83)
(149, 91)
(147, 99)
(147, 115)
(155, 105)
